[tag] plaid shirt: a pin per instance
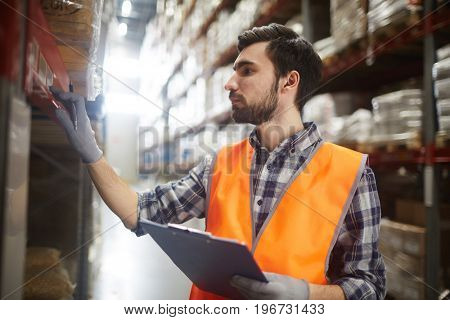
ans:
(355, 262)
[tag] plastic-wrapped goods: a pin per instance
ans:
(176, 86)
(321, 110)
(441, 69)
(295, 23)
(248, 11)
(195, 100)
(443, 107)
(443, 53)
(356, 127)
(228, 25)
(398, 112)
(190, 68)
(326, 49)
(441, 75)
(444, 123)
(442, 89)
(348, 21)
(223, 40)
(220, 100)
(383, 13)
(212, 51)
(202, 11)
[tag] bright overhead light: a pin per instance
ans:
(126, 8)
(123, 28)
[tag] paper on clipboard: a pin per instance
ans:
(208, 261)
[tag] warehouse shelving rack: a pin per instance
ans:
(364, 66)
(55, 210)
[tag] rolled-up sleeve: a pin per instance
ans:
(176, 201)
(356, 264)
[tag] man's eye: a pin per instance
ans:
(246, 71)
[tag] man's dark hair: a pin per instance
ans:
(288, 51)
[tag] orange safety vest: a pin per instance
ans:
(302, 228)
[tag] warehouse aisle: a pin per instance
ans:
(134, 268)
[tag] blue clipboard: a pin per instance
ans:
(209, 262)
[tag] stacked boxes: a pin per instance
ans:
(391, 12)
(219, 96)
(223, 32)
(336, 119)
(397, 115)
(326, 49)
(348, 21)
(441, 76)
(76, 26)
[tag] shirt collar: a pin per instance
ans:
(299, 141)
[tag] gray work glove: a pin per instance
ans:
(79, 131)
(278, 287)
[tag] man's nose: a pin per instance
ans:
(231, 84)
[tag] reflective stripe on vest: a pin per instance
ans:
(302, 227)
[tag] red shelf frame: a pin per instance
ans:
(43, 62)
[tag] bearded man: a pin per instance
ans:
(307, 210)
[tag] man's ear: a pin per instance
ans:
(292, 80)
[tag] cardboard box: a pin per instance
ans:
(413, 212)
(76, 18)
(397, 243)
(401, 237)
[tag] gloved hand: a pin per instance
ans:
(81, 136)
(279, 287)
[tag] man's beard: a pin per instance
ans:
(259, 112)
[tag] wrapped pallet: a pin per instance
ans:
(348, 21)
(357, 128)
(321, 109)
(326, 49)
(76, 27)
(387, 13)
(443, 109)
(397, 115)
(441, 76)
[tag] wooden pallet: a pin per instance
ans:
(411, 143)
(391, 144)
(398, 142)
(355, 45)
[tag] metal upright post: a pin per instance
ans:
(166, 144)
(84, 232)
(15, 127)
(431, 190)
(316, 19)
